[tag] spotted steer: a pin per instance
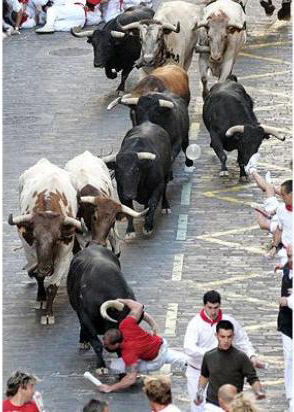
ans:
(46, 226)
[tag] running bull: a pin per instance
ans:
(221, 35)
(142, 170)
(169, 37)
(113, 49)
(229, 117)
(94, 278)
(91, 178)
(47, 226)
(168, 111)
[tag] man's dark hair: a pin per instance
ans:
(17, 380)
(287, 185)
(212, 296)
(224, 324)
(113, 336)
(94, 405)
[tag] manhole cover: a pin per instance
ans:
(74, 51)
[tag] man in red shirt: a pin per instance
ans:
(140, 350)
(20, 391)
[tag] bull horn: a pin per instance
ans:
(117, 34)
(88, 199)
(128, 211)
(19, 219)
(202, 49)
(146, 156)
(116, 101)
(273, 131)
(80, 225)
(131, 26)
(171, 27)
(77, 32)
(166, 103)
(202, 23)
(110, 304)
(110, 158)
(234, 129)
(129, 100)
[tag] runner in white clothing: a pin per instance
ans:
(62, 15)
(200, 338)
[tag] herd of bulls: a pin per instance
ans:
(72, 210)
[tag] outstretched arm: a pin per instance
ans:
(136, 308)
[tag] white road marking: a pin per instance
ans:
(182, 227)
(257, 76)
(186, 194)
(178, 267)
(171, 319)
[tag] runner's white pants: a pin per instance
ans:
(164, 356)
(287, 349)
(64, 17)
(193, 376)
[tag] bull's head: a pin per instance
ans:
(152, 40)
(249, 139)
(128, 168)
(103, 214)
(102, 42)
(150, 107)
(45, 231)
(218, 28)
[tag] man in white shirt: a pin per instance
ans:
(284, 231)
(200, 338)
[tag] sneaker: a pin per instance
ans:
(45, 30)
(15, 31)
(268, 178)
(252, 164)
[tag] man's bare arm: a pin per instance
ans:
(126, 381)
(257, 389)
(136, 308)
(200, 391)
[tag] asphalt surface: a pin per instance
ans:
(54, 106)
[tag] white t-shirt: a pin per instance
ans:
(285, 224)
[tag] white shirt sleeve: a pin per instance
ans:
(290, 301)
(241, 340)
(191, 340)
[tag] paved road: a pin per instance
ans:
(55, 107)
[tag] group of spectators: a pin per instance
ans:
(60, 15)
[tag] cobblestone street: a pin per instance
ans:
(54, 106)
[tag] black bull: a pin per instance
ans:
(142, 170)
(229, 117)
(113, 49)
(95, 277)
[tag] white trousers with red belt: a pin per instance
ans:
(64, 17)
(193, 376)
(165, 355)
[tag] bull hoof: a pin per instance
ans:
(102, 371)
(165, 211)
(224, 173)
(84, 346)
(130, 236)
(39, 304)
(47, 320)
(243, 179)
(189, 169)
(147, 232)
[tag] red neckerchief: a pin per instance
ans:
(289, 208)
(208, 320)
